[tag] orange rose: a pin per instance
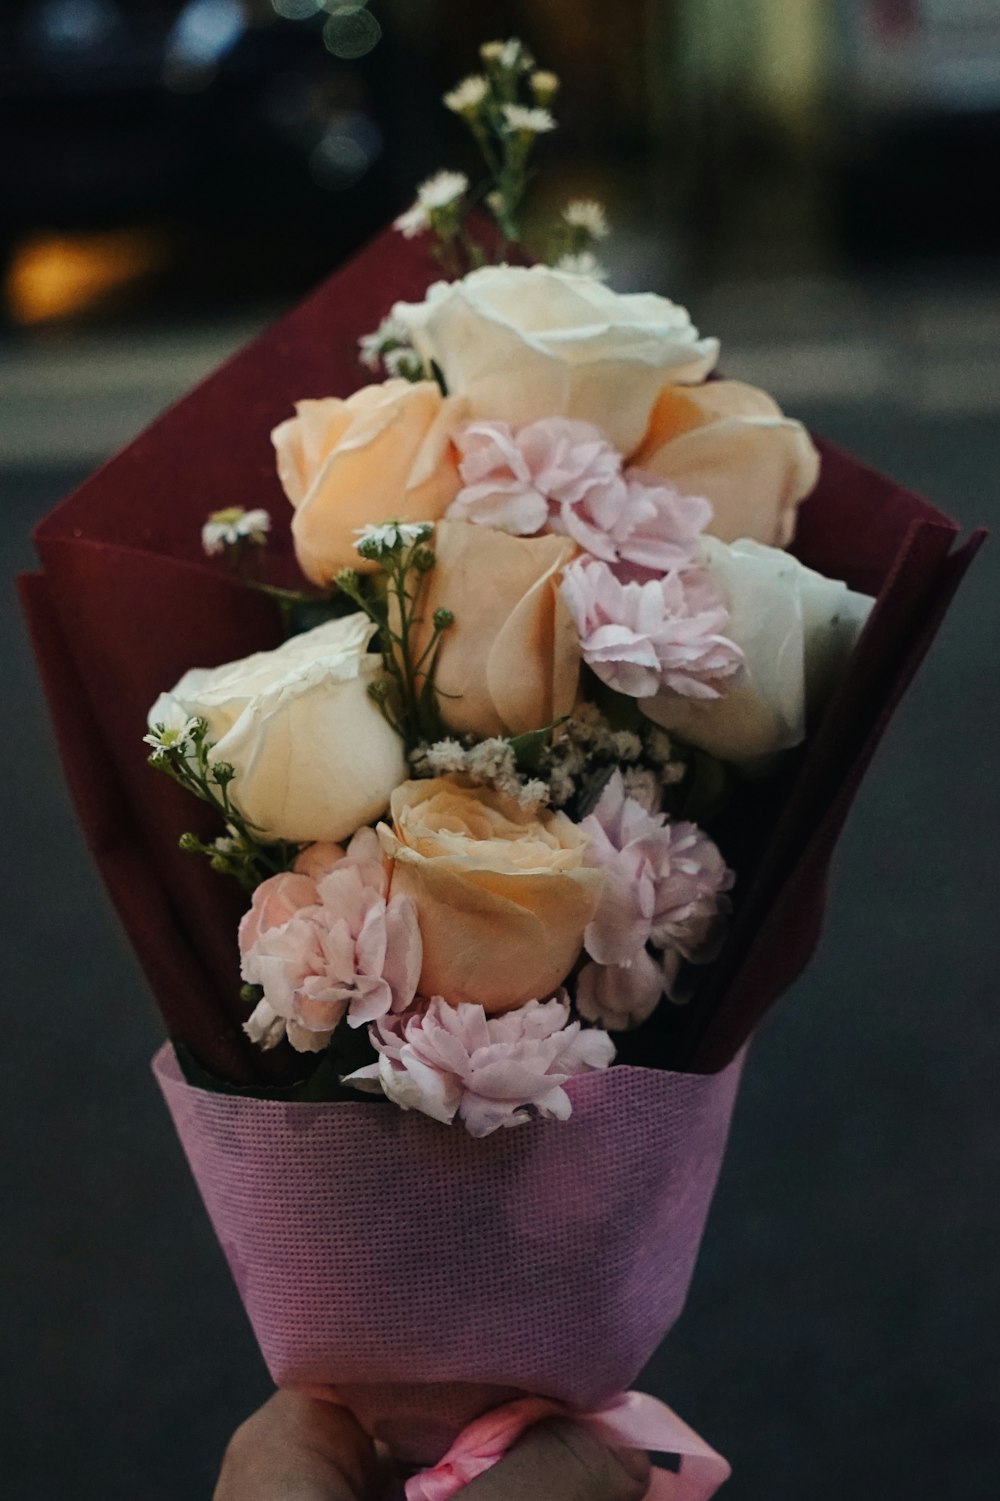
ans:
(502, 895)
(511, 661)
(732, 444)
(384, 453)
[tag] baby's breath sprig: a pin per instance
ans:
(183, 752)
(390, 346)
(406, 693)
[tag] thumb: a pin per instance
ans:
(559, 1460)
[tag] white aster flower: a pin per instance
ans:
(467, 96)
(442, 189)
(585, 263)
(437, 192)
(174, 728)
(232, 526)
(521, 117)
(589, 215)
(492, 52)
(413, 222)
(545, 85)
(390, 535)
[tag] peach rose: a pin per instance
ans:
(511, 660)
(732, 444)
(384, 453)
(502, 895)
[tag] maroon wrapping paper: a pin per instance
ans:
(126, 602)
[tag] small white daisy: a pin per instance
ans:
(582, 264)
(173, 731)
(467, 96)
(588, 214)
(545, 85)
(521, 117)
(439, 191)
(390, 535)
(232, 526)
(413, 222)
(442, 189)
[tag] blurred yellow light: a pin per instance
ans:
(52, 277)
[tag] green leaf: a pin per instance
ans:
(529, 748)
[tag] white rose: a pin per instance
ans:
(796, 629)
(314, 756)
(528, 342)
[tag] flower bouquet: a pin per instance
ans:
(482, 848)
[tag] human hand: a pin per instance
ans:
(297, 1449)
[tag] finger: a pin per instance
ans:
(298, 1449)
(560, 1460)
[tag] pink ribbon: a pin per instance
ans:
(633, 1421)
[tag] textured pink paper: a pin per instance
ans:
(428, 1276)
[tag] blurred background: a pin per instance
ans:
(814, 179)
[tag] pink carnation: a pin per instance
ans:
(621, 996)
(513, 479)
(664, 886)
(326, 942)
(642, 637)
(664, 527)
(455, 1061)
(562, 476)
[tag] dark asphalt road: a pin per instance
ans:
(841, 1338)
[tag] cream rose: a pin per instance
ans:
(511, 660)
(502, 895)
(384, 453)
(795, 628)
(732, 444)
(313, 755)
(529, 342)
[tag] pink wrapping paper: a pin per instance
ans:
(429, 1277)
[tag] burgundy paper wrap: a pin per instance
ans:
(127, 602)
(430, 1276)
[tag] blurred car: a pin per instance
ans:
(224, 128)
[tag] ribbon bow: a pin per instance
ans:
(633, 1420)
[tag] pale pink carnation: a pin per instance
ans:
(512, 480)
(642, 637)
(664, 528)
(665, 886)
(327, 943)
(621, 996)
(456, 1062)
(562, 476)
